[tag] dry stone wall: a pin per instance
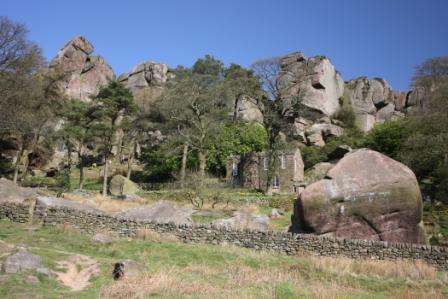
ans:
(279, 242)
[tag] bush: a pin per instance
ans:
(388, 138)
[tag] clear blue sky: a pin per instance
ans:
(381, 38)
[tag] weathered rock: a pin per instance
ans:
(317, 133)
(400, 100)
(121, 186)
(247, 109)
(312, 83)
(244, 221)
(365, 196)
(386, 113)
(162, 212)
(23, 260)
(126, 268)
(45, 202)
(12, 192)
(146, 82)
(366, 96)
(317, 172)
(86, 74)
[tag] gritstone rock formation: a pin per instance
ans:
(145, 81)
(312, 83)
(372, 100)
(366, 195)
(85, 74)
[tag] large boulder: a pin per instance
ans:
(242, 220)
(161, 212)
(22, 261)
(121, 186)
(312, 83)
(9, 191)
(365, 196)
(84, 74)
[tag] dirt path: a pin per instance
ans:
(79, 270)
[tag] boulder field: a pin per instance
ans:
(366, 195)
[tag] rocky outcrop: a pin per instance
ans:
(161, 212)
(145, 81)
(244, 221)
(247, 109)
(317, 133)
(313, 84)
(365, 196)
(373, 101)
(84, 74)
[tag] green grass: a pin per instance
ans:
(199, 271)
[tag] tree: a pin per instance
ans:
(274, 119)
(77, 132)
(114, 103)
(235, 139)
(195, 105)
(268, 71)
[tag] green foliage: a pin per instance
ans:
(208, 66)
(346, 114)
(235, 139)
(388, 138)
(159, 164)
(312, 155)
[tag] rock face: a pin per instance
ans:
(121, 186)
(145, 81)
(312, 83)
(162, 212)
(86, 74)
(247, 109)
(372, 101)
(365, 196)
(244, 221)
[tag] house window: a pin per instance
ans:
(276, 182)
(283, 161)
(234, 169)
(266, 163)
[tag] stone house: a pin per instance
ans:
(250, 171)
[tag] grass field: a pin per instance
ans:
(176, 270)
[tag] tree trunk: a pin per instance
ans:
(130, 160)
(33, 149)
(106, 164)
(81, 177)
(183, 168)
(17, 164)
(202, 164)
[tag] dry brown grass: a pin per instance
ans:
(240, 281)
(153, 236)
(407, 269)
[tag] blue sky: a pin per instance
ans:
(381, 38)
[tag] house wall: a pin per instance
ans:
(252, 173)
